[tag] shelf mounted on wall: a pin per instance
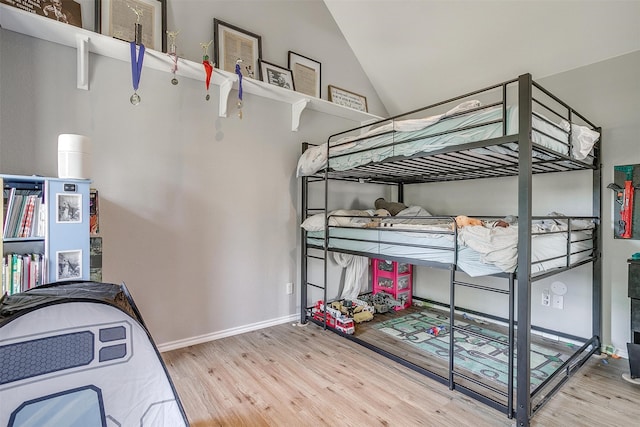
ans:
(85, 41)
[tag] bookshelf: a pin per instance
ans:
(45, 231)
(85, 42)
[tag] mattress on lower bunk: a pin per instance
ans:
(480, 251)
(409, 137)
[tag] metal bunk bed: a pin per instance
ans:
(455, 163)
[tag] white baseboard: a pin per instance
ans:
(174, 345)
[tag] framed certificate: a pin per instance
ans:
(231, 44)
(117, 18)
(306, 74)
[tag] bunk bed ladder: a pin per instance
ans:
(305, 255)
(453, 328)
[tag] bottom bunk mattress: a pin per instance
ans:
(480, 251)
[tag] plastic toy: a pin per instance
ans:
(437, 330)
(334, 318)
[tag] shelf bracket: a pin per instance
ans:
(82, 70)
(225, 89)
(296, 111)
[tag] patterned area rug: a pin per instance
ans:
(481, 356)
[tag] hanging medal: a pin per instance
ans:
(208, 67)
(173, 55)
(239, 73)
(136, 71)
(137, 57)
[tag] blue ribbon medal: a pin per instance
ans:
(136, 70)
(239, 73)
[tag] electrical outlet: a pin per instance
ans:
(289, 288)
(546, 297)
(557, 302)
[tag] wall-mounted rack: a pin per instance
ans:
(86, 42)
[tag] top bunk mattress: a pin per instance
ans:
(467, 122)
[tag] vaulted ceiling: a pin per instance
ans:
(420, 51)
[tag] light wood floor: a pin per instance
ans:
(305, 376)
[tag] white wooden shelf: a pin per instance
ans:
(85, 41)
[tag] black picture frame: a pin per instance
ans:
(66, 11)
(155, 39)
(276, 75)
(306, 73)
(225, 55)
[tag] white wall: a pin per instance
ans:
(199, 214)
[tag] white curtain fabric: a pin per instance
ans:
(356, 277)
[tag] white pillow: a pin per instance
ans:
(346, 221)
(314, 223)
(582, 139)
(312, 160)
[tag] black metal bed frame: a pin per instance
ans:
(462, 162)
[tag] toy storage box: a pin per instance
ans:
(394, 278)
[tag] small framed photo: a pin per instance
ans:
(347, 99)
(68, 208)
(117, 18)
(65, 11)
(69, 265)
(231, 44)
(306, 74)
(276, 75)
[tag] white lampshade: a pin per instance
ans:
(74, 156)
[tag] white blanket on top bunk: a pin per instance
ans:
(315, 158)
(408, 137)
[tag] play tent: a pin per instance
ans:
(78, 354)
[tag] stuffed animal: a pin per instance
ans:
(463, 221)
(377, 218)
(392, 207)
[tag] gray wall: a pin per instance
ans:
(608, 93)
(199, 214)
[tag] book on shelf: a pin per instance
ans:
(95, 259)
(14, 216)
(21, 272)
(94, 212)
(16, 271)
(7, 198)
(25, 228)
(23, 207)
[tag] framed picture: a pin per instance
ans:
(306, 74)
(117, 18)
(347, 99)
(66, 11)
(276, 75)
(69, 265)
(231, 44)
(69, 207)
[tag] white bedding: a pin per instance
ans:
(482, 250)
(424, 135)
